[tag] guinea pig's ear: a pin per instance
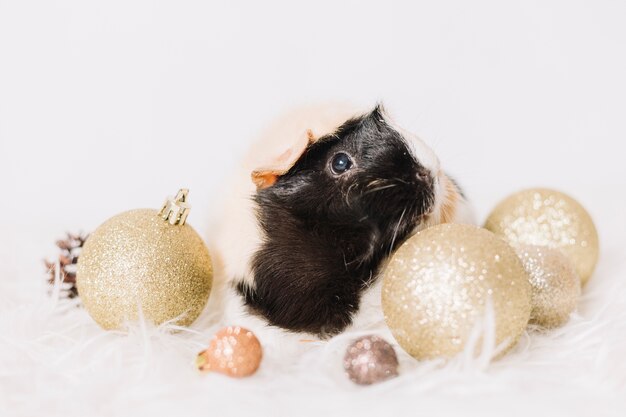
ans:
(267, 175)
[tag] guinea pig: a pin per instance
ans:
(321, 202)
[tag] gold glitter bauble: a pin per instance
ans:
(370, 359)
(233, 351)
(548, 218)
(555, 284)
(145, 260)
(438, 283)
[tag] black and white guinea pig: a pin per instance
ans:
(323, 199)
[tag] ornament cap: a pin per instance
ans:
(175, 210)
(201, 360)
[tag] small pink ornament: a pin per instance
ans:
(370, 359)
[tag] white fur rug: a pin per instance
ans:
(55, 361)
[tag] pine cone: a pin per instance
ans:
(70, 250)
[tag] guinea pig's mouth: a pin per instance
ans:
(445, 200)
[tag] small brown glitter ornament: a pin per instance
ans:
(548, 218)
(439, 282)
(233, 351)
(370, 359)
(555, 285)
(145, 260)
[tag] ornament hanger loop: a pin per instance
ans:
(175, 210)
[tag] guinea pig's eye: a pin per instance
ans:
(340, 163)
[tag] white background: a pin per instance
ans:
(112, 105)
(108, 106)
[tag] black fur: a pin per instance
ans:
(327, 235)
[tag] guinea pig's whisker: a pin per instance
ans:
(384, 187)
(347, 196)
(376, 182)
(400, 180)
(365, 285)
(395, 232)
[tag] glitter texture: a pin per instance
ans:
(370, 359)
(555, 285)
(233, 351)
(548, 218)
(138, 260)
(437, 285)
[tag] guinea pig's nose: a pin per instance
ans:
(424, 175)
